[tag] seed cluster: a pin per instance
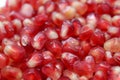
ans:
(60, 40)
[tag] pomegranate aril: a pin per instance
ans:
(97, 37)
(98, 53)
(68, 59)
(55, 47)
(27, 10)
(71, 75)
(49, 6)
(116, 20)
(92, 20)
(114, 73)
(4, 60)
(83, 68)
(85, 32)
(52, 70)
(11, 73)
(39, 40)
(77, 26)
(103, 8)
(15, 52)
(112, 45)
(116, 57)
(100, 75)
(103, 25)
(40, 19)
(66, 30)
(85, 45)
(51, 33)
(71, 45)
(79, 7)
(35, 60)
(31, 74)
(109, 58)
(47, 57)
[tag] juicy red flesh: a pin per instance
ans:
(60, 40)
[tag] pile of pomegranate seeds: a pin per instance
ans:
(60, 40)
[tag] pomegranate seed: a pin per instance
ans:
(52, 70)
(66, 30)
(100, 75)
(109, 58)
(98, 53)
(92, 20)
(71, 75)
(115, 73)
(103, 25)
(114, 31)
(71, 45)
(11, 73)
(55, 47)
(39, 40)
(97, 38)
(57, 18)
(85, 45)
(103, 8)
(77, 26)
(116, 57)
(27, 10)
(116, 20)
(79, 7)
(35, 60)
(83, 68)
(112, 45)
(68, 59)
(31, 74)
(15, 52)
(47, 57)
(85, 32)
(4, 60)
(51, 33)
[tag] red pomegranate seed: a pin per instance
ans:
(15, 52)
(71, 75)
(31, 74)
(112, 45)
(47, 57)
(100, 75)
(109, 58)
(68, 59)
(103, 25)
(11, 73)
(83, 68)
(71, 45)
(4, 60)
(52, 70)
(39, 40)
(51, 33)
(35, 60)
(98, 53)
(66, 30)
(97, 37)
(116, 57)
(77, 26)
(103, 8)
(55, 47)
(114, 73)
(27, 10)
